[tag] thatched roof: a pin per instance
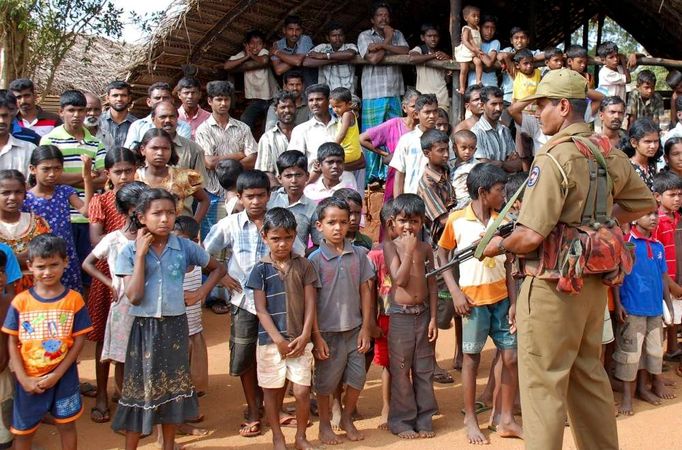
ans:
(206, 32)
(88, 71)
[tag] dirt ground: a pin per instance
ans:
(651, 427)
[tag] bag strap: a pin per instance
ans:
(600, 184)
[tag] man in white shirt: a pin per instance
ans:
(14, 153)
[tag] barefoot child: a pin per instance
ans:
(285, 291)
(152, 268)
(639, 349)
(341, 333)
(485, 296)
(470, 48)
(118, 322)
(412, 328)
(43, 349)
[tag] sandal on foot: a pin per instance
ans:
(250, 429)
(479, 406)
(443, 378)
(220, 308)
(100, 415)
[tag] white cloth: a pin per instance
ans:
(308, 136)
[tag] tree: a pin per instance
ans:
(41, 32)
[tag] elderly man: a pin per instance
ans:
(93, 112)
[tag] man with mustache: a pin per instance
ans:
(292, 82)
(115, 122)
(93, 111)
(14, 153)
(495, 143)
(611, 114)
(275, 140)
(31, 115)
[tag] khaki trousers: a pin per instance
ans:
(559, 367)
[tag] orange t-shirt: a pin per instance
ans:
(46, 328)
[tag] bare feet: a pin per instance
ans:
(658, 387)
(190, 430)
(336, 415)
(427, 434)
(510, 430)
(303, 444)
(279, 443)
(327, 436)
(409, 434)
(648, 396)
(474, 432)
(352, 433)
(383, 425)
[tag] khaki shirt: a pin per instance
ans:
(545, 203)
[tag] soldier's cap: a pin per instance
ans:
(561, 83)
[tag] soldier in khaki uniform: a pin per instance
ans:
(560, 335)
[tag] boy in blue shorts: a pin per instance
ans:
(46, 325)
(341, 332)
(485, 297)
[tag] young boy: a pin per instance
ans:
(576, 59)
(527, 76)
(435, 187)
(285, 291)
(330, 158)
(430, 80)
(46, 326)
(354, 201)
(412, 328)
(639, 349)
(485, 296)
(668, 193)
(341, 333)
(645, 101)
(260, 84)
(292, 167)
(381, 287)
(614, 74)
(239, 235)
(465, 148)
(554, 59)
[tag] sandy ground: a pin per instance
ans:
(651, 427)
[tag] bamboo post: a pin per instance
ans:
(456, 109)
(600, 31)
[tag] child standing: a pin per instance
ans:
(465, 146)
(639, 349)
(341, 333)
(285, 291)
(429, 79)
(527, 76)
(46, 326)
(51, 200)
(614, 74)
(114, 342)
(330, 158)
(470, 48)
(645, 101)
(412, 328)
(105, 218)
(643, 146)
(354, 201)
(485, 296)
(435, 188)
(160, 157)
(157, 387)
(18, 228)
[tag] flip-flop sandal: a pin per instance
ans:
(220, 308)
(250, 429)
(480, 407)
(100, 416)
(88, 390)
(443, 378)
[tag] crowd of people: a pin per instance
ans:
(120, 230)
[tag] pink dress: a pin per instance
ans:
(387, 135)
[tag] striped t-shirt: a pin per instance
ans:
(72, 149)
(192, 283)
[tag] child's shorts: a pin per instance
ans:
(6, 395)
(381, 344)
(345, 363)
(243, 340)
(487, 320)
(63, 401)
(639, 345)
(273, 370)
(677, 311)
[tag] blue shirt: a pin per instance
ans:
(163, 276)
(24, 134)
(12, 270)
(642, 291)
(488, 78)
(302, 47)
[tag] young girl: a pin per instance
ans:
(348, 133)
(159, 155)
(470, 48)
(672, 151)
(157, 387)
(18, 228)
(465, 147)
(643, 147)
(443, 121)
(51, 200)
(119, 165)
(112, 346)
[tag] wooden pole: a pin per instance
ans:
(586, 32)
(456, 109)
(566, 12)
(600, 31)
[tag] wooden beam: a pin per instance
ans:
(586, 31)
(456, 109)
